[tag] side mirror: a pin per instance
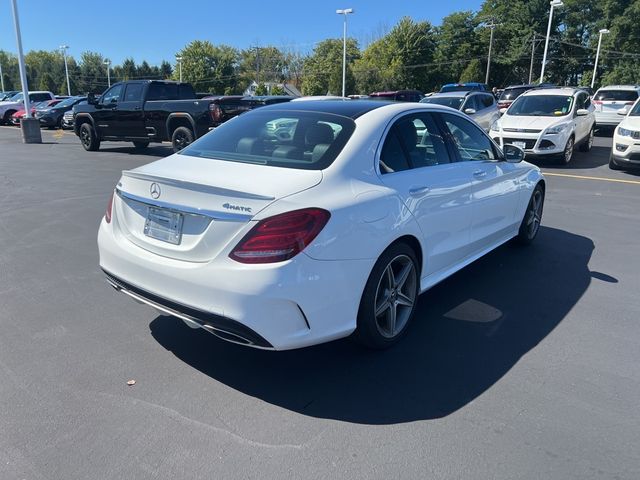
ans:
(503, 110)
(469, 111)
(582, 112)
(91, 99)
(513, 154)
(623, 111)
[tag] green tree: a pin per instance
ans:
(473, 72)
(92, 73)
(209, 67)
(457, 43)
(401, 59)
(323, 68)
(277, 90)
(165, 70)
(47, 82)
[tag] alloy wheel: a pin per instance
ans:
(534, 215)
(395, 296)
(568, 151)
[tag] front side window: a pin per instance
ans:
(542, 106)
(487, 100)
(469, 140)
(289, 139)
(471, 103)
(112, 95)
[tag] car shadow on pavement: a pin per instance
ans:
(597, 157)
(469, 331)
(152, 151)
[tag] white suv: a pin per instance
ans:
(609, 100)
(625, 152)
(548, 122)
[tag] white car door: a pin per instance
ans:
(415, 162)
(583, 122)
(495, 194)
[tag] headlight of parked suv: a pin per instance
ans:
(623, 132)
(556, 129)
(495, 126)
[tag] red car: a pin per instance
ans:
(19, 115)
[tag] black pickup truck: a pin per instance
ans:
(144, 111)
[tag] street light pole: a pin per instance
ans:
(492, 26)
(63, 49)
(1, 78)
(30, 126)
(108, 64)
(344, 12)
(179, 60)
(553, 4)
(595, 66)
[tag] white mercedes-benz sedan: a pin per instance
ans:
(300, 223)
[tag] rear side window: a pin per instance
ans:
(163, 91)
(133, 92)
(289, 139)
(617, 95)
(414, 141)
(39, 97)
(486, 100)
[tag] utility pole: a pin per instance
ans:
(63, 49)
(492, 26)
(534, 42)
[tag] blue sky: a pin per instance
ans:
(155, 30)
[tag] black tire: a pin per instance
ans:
(586, 145)
(7, 117)
(88, 138)
(612, 163)
(532, 217)
(382, 330)
(140, 145)
(181, 137)
(566, 156)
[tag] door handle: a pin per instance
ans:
(479, 174)
(138, 108)
(419, 191)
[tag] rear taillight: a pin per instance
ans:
(280, 237)
(215, 111)
(107, 213)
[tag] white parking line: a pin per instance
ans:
(584, 177)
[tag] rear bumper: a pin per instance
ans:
(608, 119)
(220, 326)
(279, 306)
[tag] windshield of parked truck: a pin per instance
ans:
(541, 106)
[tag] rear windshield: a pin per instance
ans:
(513, 93)
(617, 95)
(456, 88)
(453, 102)
(290, 139)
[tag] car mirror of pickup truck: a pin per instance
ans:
(91, 99)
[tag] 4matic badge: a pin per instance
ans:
(238, 208)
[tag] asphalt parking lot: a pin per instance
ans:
(523, 365)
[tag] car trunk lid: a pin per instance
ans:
(190, 208)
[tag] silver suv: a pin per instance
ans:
(481, 106)
(608, 100)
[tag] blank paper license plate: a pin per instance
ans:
(164, 225)
(522, 145)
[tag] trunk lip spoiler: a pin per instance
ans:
(195, 186)
(215, 215)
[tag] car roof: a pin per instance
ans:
(620, 87)
(459, 93)
(337, 107)
(552, 91)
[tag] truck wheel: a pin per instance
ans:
(182, 136)
(141, 145)
(88, 138)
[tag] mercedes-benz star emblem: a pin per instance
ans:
(154, 189)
